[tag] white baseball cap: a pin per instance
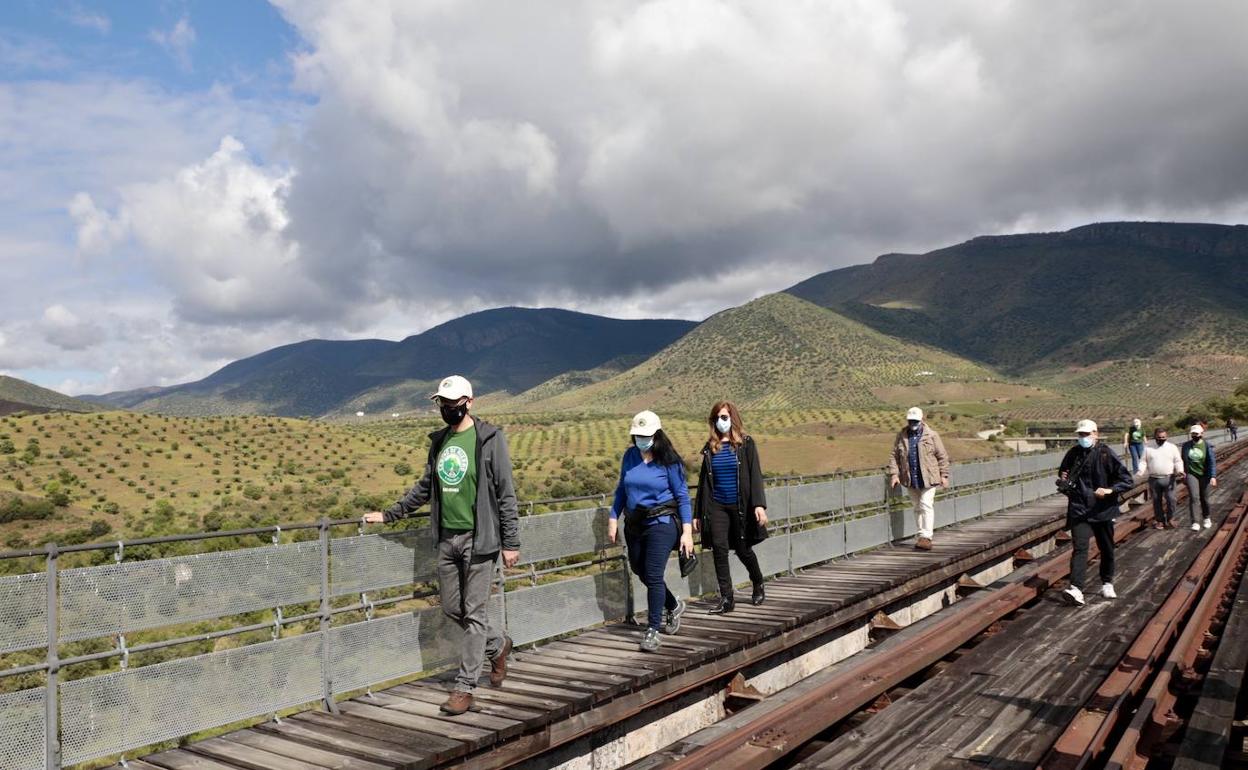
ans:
(453, 388)
(1085, 426)
(915, 413)
(645, 423)
(1197, 428)
(1136, 422)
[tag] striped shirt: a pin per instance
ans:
(724, 475)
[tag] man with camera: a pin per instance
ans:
(1092, 477)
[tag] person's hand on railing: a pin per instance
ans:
(760, 515)
(613, 526)
(374, 517)
(510, 558)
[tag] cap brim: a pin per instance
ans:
(642, 432)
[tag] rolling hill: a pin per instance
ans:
(1043, 302)
(505, 350)
(22, 396)
(775, 352)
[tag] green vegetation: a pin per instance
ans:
(18, 395)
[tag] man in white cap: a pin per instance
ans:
(1092, 477)
(472, 508)
(1201, 470)
(920, 463)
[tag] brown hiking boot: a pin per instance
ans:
(458, 703)
(923, 544)
(498, 666)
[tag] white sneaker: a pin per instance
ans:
(1208, 523)
(1107, 590)
(1073, 596)
(1195, 527)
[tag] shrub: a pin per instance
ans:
(17, 508)
(253, 491)
(403, 469)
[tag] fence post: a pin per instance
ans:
(52, 727)
(327, 657)
(788, 527)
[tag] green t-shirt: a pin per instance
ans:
(1137, 435)
(457, 477)
(1196, 458)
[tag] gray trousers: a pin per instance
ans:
(1197, 489)
(1164, 502)
(465, 579)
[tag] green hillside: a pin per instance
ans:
(775, 352)
(19, 395)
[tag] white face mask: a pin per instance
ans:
(644, 442)
(723, 425)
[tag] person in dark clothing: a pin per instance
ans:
(731, 506)
(1098, 477)
(1200, 467)
(1232, 428)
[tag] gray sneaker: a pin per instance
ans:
(671, 618)
(650, 642)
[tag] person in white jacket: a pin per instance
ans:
(1162, 464)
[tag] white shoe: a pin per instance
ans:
(1073, 596)
(1195, 527)
(1208, 523)
(1107, 591)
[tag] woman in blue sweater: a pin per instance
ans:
(653, 496)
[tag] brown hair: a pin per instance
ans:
(736, 434)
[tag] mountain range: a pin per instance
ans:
(22, 396)
(1084, 313)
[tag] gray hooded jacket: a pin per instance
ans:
(496, 512)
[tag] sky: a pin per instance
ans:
(187, 182)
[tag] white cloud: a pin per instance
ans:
(177, 41)
(88, 19)
(67, 331)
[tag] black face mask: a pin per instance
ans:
(1160, 441)
(914, 425)
(453, 414)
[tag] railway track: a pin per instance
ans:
(1126, 711)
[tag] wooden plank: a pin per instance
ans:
(247, 757)
(181, 759)
(433, 746)
(136, 764)
(557, 659)
(574, 698)
(348, 743)
(295, 749)
(471, 736)
(528, 717)
(502, 729)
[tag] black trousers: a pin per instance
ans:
(1164, 503)
(1081, 534)
(726, 531)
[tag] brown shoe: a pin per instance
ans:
(458, 703)
(923, 544)
(498, 666)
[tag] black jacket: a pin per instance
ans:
(750, 492)
(497, 513)
(1103, 469)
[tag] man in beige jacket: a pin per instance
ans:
(920, 462)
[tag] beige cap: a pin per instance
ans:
(1085, 426)
(1197, 428)
(645, 424)
(915, 413)
(453, 388)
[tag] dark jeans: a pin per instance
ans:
(1137, 453)
(1197, 488)
(1081, 533)
(726, 530)
(1164, 502)
(647, 557)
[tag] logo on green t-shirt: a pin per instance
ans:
(452, 465)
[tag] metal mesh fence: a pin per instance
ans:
(819, 497)
(867, 532)
(23, 732)
(23, 611)
(371, 562)
(556, 608)
(131, 596)
(567, 533)
(124, 710)
(865, 490)
(818, 544)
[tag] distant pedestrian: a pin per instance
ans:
(1092, 477)
(920, 463)
(731, 506)
(1201, 469)
(472, 508)
(1163, 465)
(1133, 442)
(1232, 428)
(653, 497)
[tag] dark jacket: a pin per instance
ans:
(750, 492)
(1103, 470)
(496, 512)
(1211, 463)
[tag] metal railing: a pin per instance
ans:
(303, 584)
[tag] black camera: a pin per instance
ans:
(1067, 487)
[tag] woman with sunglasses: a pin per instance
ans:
(731, 503)
(653, 496)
